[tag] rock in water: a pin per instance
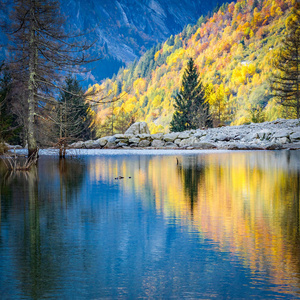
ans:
(138, 128)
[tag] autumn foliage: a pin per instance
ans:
(233, 50)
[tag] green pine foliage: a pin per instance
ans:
(286, 80)
(180, 121)
(191, 109)
(9, 126)
(74, 115)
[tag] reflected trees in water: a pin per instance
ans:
(20, 190)
(245, 204)
(27, 201)
(71, 176)
(191, 171)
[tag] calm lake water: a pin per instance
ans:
(215, 225)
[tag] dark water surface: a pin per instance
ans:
(214, 226)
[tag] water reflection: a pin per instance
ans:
(191, 171)
(166, 229)
(71, 176)
(22, 188)
(248, 203)
(27, 212)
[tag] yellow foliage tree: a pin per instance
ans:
(216, 97)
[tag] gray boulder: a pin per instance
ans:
(157, 136)
(171, 137)
(123, 138)
(188, 142)
(121, 144)
(209, 138)
(120, 136)
(281, 133)
(282, 140)
(184, 135)
(144, 143)
(200, 133)
(133, 145)
(222, 137)
(110, 145)
(134, 140)
(102, 141)
(78, 145)
(251, 136)
(177, 141)
(138, 128)
(144, 136)
(91, 144)
(111, 139)
(111, 142)
(170, 145)
(157, 143)
(295, 136)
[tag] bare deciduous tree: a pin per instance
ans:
(41, 53)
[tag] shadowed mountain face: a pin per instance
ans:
(127, 28)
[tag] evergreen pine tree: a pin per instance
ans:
(191, 109)
(74, 118)
(180, 120)
(119, 87)
(9, 126)
(286, 83)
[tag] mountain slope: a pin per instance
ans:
(233, 50)
(125, 29)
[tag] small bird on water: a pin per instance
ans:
(120, 177)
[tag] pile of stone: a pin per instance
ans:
(279, 134)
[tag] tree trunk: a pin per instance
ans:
(112, 118)
(32, 145)
(297, 82)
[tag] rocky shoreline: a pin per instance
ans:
(276, 135)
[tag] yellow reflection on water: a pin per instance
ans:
(246, 203)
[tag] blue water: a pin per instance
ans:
(197, 229)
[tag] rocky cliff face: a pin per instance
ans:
(127, 28)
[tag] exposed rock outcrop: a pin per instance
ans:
(138, 128)
(279, 134)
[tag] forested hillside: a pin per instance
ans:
(233, 50)
(122, 30)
